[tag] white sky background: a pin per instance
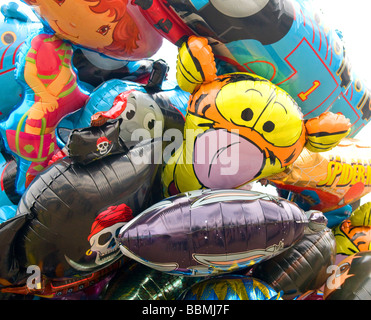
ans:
(352, 18)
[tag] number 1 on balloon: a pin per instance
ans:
(304, 95)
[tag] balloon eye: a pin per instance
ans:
(103, 30)
(268, 126)
(151, 124)
(8, 37)
(149, 121)
(129, 112)
(247, 114)
(342, 269)
(104, 238)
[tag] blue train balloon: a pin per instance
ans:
(284, 41)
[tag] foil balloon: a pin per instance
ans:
(352, 239)
(87, 287)
(9, 197)
(15, 27)
(361, 216)
(351, 279)
(285, 41)
(52, 91)
(134, 281)
(301, 268)
(239, 127)
(113, 28)
(94, 69)
(29, 140)
(68, 218)
(90, 144)
(206, 232)
(307, 198)
(231, 287)
(150, 109)
(330, 180)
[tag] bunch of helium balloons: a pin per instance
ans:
(119, 184)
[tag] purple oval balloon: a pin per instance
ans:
(212, 231)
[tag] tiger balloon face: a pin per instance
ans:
(239, 127)
(351, 239)
(263, 128)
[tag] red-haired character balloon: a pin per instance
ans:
(52, 92)
(112, 27)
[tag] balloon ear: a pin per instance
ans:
(195, 64)
(326, 131)
(362, 215)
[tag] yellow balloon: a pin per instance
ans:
(239, 127)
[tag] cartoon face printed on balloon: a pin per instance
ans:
(268, 125)
(245, 127)
(351, 279)
(141, 112)
(141, 115)
(104, 145)
(351, 239)
(114, 28)
(102, 238)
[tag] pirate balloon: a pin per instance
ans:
(67, 222)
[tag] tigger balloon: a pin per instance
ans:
(239, 127)
(351, 239)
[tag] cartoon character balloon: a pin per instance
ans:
(285, 41)
(351, 279)
(204, 232)
(114, 28)
(53, 92)
(361, 216)
(77, 226)
(329, 180)
(239, 126)
(351, 239)
(15, 27)
(302, 267)
(44, 70)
